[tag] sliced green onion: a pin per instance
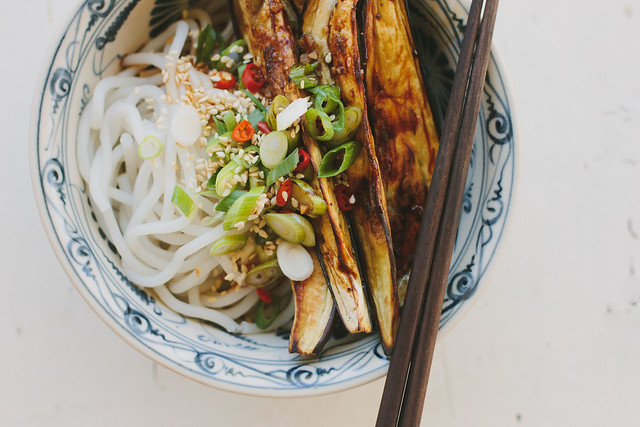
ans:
(183, 201)
(345, 154)
(227, 244)
(229, 120)
(220, 126)
(224, 204)
(308, 202)
(256, 101)
(352, 121)
(211, 183)
(241, 209)
(207, 41)
(224, 177)
(239, 79)
(150, 148)
(319, 125)
(338, 124)
(254, 148)
(273, 148)
(256, 181)
(242, 162)
(327, 97)
(218, 141)
(291, 227)
(310, 235)
(283, 168)
(266, 313)
(263, 274)
(304, 76)
(279, 103)
(237, 57)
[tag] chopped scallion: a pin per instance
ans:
(225, 176)
(273, 148)
(229, 120)
(224, 204)
(319, 125)
(183, 201)
(227, 244)
(283, 168)
(263, 274)
(241, 209)
(266, 313)
(150, 148)
(304, 76)
(345, 155)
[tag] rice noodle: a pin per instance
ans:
(161, 248)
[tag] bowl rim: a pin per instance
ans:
(34, 133)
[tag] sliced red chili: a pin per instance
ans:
(286, 211)
(343, 197)
(243, 131)
(264, 295)
(264, 127)
(304, 161)
(252, 77)
(227, 81)
(284, 193)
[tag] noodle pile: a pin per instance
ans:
(161, 248)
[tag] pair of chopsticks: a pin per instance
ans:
(408, 375)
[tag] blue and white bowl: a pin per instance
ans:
(96, 36)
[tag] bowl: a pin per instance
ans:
(96, 36)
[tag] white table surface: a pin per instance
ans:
(553, 340)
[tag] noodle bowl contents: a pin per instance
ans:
(239, 179)
(193, 182)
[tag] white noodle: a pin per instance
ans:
(160, 247)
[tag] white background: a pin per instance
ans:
(554, 340)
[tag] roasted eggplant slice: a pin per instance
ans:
(401, 121)
(330, 32)
(265, 29)
(314, 312)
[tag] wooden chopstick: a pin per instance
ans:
(405, 387)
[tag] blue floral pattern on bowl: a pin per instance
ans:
(90, 47)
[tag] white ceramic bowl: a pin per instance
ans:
(95, 37)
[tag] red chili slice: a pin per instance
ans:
(304, 161)
(252, 77)
(227, 81)
(243, 131)
(343, 194)
(264, 295)
(281, 197)
(264, 127)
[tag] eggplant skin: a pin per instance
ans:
(369, 214)
(314, 312)
(401, 121)
(265, 28)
